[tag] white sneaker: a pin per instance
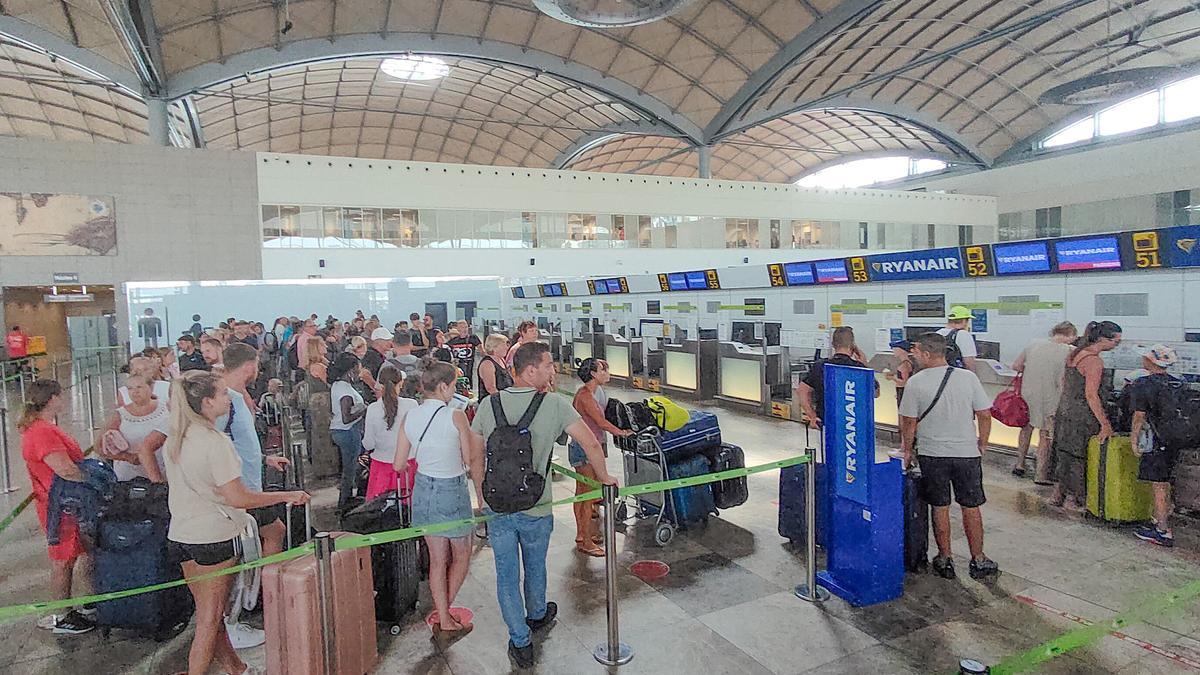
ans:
(242, 636)
(47, 622)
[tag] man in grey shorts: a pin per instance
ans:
(938, 417)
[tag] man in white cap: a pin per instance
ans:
(1154, 399)
(372, 361)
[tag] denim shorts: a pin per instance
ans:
(577, 457)
(441, 500)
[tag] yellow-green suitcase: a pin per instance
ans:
(1114, 492)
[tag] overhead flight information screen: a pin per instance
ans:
(1089, 253)
(1026, 257)
(831, 271)
(798, 273)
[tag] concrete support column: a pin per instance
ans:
(705, 154)
(158, 121)
(121, 305)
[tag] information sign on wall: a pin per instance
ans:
(938, 263)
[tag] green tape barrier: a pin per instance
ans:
(1082, 637)
(590, 482)
(8, 520)
(377, 538)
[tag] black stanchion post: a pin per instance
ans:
(612, 652)
(809, 590)
(325, 598)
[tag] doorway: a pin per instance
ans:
(438, 311)
(465, 311)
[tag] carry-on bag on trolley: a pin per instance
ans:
(732, 491)
(702, 431)
(1114, 492)
(396, 566)
(132, 554)
(292, 614)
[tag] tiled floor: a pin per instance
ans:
(727, 604)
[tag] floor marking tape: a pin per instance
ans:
(1148, 646)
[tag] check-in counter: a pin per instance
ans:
(624, 357)
(690, 369)
(582, 347)
(995, 377)
(747, 375)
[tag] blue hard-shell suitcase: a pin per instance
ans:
(792, 522)
(692, 504)
(701, 431)
(132, 554)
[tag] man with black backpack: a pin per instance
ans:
(519, 426)
(960, 344)
(1172, 412)
(938, 417)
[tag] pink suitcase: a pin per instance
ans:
(292, 615)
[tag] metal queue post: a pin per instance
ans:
(6, 466)
(809, 590)
(613, 652)
(324, 549)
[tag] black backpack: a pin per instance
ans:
(954, 355)
(511, 483)
(270, 342)
(1180, 428)
(293, 355)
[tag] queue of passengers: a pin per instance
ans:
(188, 419)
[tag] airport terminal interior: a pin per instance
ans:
(838, 336)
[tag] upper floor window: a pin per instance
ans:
(863, 172)
(1174, 102)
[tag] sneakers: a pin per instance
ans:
(73, 623)
(1155, 536)
(943, 567)
(47, 622)
(522, 656)
(538, 624)
(981, 569)
(242, 636)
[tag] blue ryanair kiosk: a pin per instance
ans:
(865, 539)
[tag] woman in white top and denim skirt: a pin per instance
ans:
(440, 438)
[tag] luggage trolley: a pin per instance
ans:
(645, 462)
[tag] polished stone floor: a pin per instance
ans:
(727, 605)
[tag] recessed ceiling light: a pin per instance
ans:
(415, 68)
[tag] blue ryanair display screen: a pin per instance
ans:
(831, 271)
(1027, 257)
(677, 281)
(798, 273)
(1091, 253)
(938, 263)
(614, 285)
(601, 288)
(696, 281)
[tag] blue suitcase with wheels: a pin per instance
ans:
(692, 504)
(701, 432)
(793, 525)
(132, 554)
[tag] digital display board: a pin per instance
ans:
(831, 271)
(614, 285)
(977, 260)
(798, 273)
(1181, 246)
(1026, 257)
(1088, 253)
(553, 290)
(518, 291)
(601, 288)
(696, 281)
(775, 274)
(677, 281)
(937, 263)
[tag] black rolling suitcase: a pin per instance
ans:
(396, 566)
(131, 551)
(916, 525)
(734, 491)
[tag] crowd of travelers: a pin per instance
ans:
(390, 407)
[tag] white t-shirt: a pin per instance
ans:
(135, 429)
(161, 389)
(949, 428)
(337, 392)
(377, 437)
(439, 453)
(966, 341)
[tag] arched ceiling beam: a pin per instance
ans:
(320, 49)
(761, 79)
(592, 138)
(969, 149)
(44, 40)
(877, 154)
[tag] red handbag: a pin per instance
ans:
(1009, 408)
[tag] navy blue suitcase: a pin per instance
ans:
(131, 554)
(692, 504)
(702, 431)
(793, 525)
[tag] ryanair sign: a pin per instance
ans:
(937, 263)
(849, 428)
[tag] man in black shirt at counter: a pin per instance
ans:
(812, 388)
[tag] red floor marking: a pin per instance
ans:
(649, 570)
(461, 614)
(1150, 647)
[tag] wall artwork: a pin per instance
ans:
(47, 224)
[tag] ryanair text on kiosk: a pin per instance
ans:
(850, 431)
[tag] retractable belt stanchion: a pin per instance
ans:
(613, 652)
(87, 393)
(7, 466)
(21, 383)
(325, 595)
(809, 590)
